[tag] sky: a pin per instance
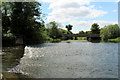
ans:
(80, 13)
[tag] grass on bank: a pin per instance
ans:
(114, 40)
(78, 39)
(53, 40)
(82, 38)
(13, 76)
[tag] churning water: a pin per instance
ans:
(70, 60)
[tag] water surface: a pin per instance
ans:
(69, 60)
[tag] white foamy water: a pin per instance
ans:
(70, 60)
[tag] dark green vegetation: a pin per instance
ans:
(69, 27)
(95, 29)
(24, 20)
(110, 33)
(19, 20)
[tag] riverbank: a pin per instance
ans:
(11, 76)
(83, 39)
(11, 56)
(114, 40)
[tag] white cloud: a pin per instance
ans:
(92, 6)
(65, 11)
(61, 15)
(114, 10)
(86, 25)
(117, 0)
(100, 6)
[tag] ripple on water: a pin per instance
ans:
(73, 60)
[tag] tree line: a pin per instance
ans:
(25, 20)
(106, 33)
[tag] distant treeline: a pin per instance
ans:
(106, 33)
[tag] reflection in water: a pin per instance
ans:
(70, 60)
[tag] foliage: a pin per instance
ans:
(53, 30)
(5, 23)
(110, 32)
(22, 21)
(82, 38)
(88, 32)
(5, 17)
(63, 31)
(95, 28)
(8, 38)
(81, 32)
(69, 27)
(55, 40)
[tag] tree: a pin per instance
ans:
(53, 30)
(6, 17)
(23, 21)
(110, 32)
(95, 28)
(81, 32)
(69, 27)
(88, 32)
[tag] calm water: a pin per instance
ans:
(69, 60)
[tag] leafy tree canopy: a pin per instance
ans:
(109, 32)
(95, 28)
(69, 27)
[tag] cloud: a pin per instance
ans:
(66, 15)
(65, 11)
(86, 25)
(92, 6)
(114, 10)
(117, 0)
(100, 6)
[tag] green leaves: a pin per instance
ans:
(22, 19)
(95, 28)
(53, 30)
(69, 27)
(109, 32)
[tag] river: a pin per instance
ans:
(68, 60)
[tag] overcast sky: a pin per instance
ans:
(80, 13)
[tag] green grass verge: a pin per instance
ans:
(55, 40)
(114, 40)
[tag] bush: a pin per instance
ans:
(109, 32)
